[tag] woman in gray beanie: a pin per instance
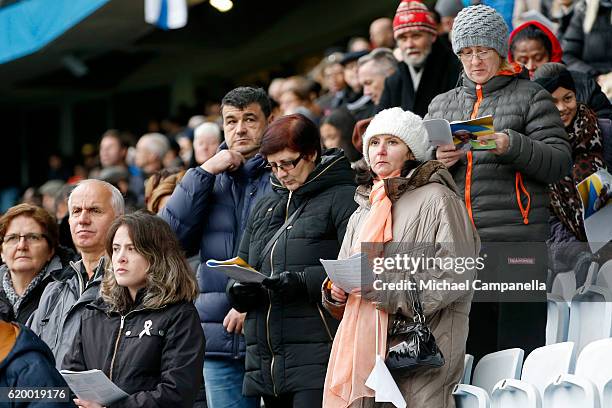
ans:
(505, 189)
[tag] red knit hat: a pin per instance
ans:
(412, 15)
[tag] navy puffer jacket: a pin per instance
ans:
(209, 213)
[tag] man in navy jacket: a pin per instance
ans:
(208, 211)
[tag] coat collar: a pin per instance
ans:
(431, 171)
(251, 169)
(499, 81)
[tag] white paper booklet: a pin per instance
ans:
(236, 268)
(93, 385)
(346, 273)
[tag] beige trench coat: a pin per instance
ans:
(427, 209)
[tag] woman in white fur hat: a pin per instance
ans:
(406, 206)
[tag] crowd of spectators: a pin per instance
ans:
(102, 246)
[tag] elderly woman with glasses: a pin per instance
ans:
(31, 255)
(287, 331)
(504, 189)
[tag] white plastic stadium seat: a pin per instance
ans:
(541, 367)
(590, 316)
(498, 366)
(468, 396)
(544, 364)
(604, 276)
(468, 362)
(564, 285)
(607, 395)
(595, 364)
(591, 278)
(571, 391)
(515, 394)
(557, 320)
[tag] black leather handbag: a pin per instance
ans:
(411, 344)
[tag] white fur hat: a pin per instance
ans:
(403, 124)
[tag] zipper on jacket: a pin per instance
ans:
(110, 371)
(74, 266)
(123, 317)
(268, 325)
(470, 159)
(270, 303)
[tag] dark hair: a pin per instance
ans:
(295, 132)
(169, 277)
(366, 177)
(344, 121)
(532, 32)
(124, 143)
(38, 214)
(243, 96)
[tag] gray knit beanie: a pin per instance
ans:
(480, 26)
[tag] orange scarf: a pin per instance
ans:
(353, 353)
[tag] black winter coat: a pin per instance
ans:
(289, 339)
(589, 92)
(441, 73)
(161, 367)
(590, 53)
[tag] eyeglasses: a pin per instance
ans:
(30, 238)
(480, 55)
(286, 165)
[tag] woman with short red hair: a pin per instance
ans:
(288, 333)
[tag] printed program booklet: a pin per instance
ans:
(238, 269)
(463, 134)
(596, 196)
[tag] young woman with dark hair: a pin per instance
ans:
(144, 332)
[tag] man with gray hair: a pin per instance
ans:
(150, 151)
(373, 69)
(92, 207)
(428, 66)
(206, 141)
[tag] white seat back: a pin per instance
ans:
(557, 321)
(590, 316)
(571, 391)
(515, 394)
(595, 363)
(468, 362)
(604, 276)
(469, 396)
(544, 364)
(564, 285)
(498, 366)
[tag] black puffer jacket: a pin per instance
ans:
(507, 195)
(289, 339)
(158, 367)
(589, 52)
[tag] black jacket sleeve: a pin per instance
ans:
(573, 42)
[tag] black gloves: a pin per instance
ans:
(288, 284)
(244, 296)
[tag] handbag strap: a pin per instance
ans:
(283, 227)
(417, 306)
